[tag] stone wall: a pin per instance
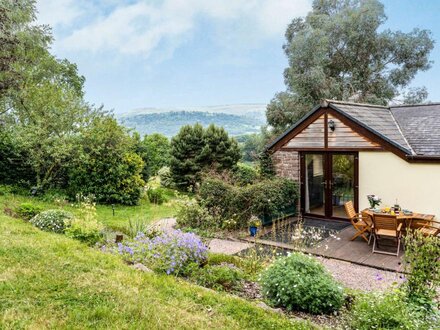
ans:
(286, 164)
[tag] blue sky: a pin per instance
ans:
(177, 53)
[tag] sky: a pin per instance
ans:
(179, 53)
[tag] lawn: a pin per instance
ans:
(145, 211)
(50, 281)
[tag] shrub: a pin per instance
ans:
(245, 174)
(220, 258)
(27, 211)
(383, 311)
(88, 231)
(135, 227)
(422, 265)
(172, 253)
(300, 282)
(52, 220)
(156, 196)
(222, 277)
(165, 177)
(191, 214)
(268, 198)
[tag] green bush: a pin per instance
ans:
(156, 196)
(222, 277)
(88, 231)
(300, 282)
(265, 198)
(245, 174)
(165, 177)
(220, 258)
(191, 214)
(421, 261)
(52, 220)
(384, 311)
(27, 211)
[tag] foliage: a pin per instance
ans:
(76, 285)
(222, 277)
(195, 149)
(166, 179)
(268, 197)
(191, 214)
(300, 282)
(27, 211)
(171, 253)
(85, 227)
(340, 51)
(251, 146)
(88, 231)
(422, 265)
(136, 227)
(221, 258)
(156, 196)
(154, 150)
(245, 174)
(107, 168)
(52, 220)
(388, 310)
(267, 169)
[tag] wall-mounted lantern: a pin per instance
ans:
(331, 125)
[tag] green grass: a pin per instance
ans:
(145, 211)
(50, 281)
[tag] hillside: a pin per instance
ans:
(236, 119)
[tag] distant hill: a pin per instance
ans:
(236, 119)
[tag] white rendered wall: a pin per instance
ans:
(416, 186)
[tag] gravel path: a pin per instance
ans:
(361, 277)
(351, 275)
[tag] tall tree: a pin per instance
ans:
(338, 52)
(195, 149)
(155, 152)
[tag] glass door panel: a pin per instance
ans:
(342, 182)
(315, 184)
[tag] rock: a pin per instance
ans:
(142, 268)
(265, 307)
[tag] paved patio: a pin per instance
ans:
(340, 247)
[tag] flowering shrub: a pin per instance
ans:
(192, 215)
(300, 282)
(171, 252)
(422, 265)
(86, 231)
(52, 220)
(384, 311)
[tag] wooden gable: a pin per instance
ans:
(345, 137)
(314, 134)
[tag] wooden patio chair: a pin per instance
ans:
(362, 223)
(385, 225)
(427, 227)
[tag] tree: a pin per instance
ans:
(106, 165)
(195, 149)
(220, 152)
(251, 146)
(186, 160)
(154, 150)
(338, 52)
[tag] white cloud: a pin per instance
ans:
(57, 12)
(141, 27)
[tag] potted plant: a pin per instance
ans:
(374, 201)
(254, 224)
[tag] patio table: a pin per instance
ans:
(413, 220)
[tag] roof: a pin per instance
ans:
(420, 124)
(414, 129)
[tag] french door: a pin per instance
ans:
(328, 180)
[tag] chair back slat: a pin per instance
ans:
(349, 209)
(385, 221)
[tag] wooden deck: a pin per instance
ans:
(342, 248)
